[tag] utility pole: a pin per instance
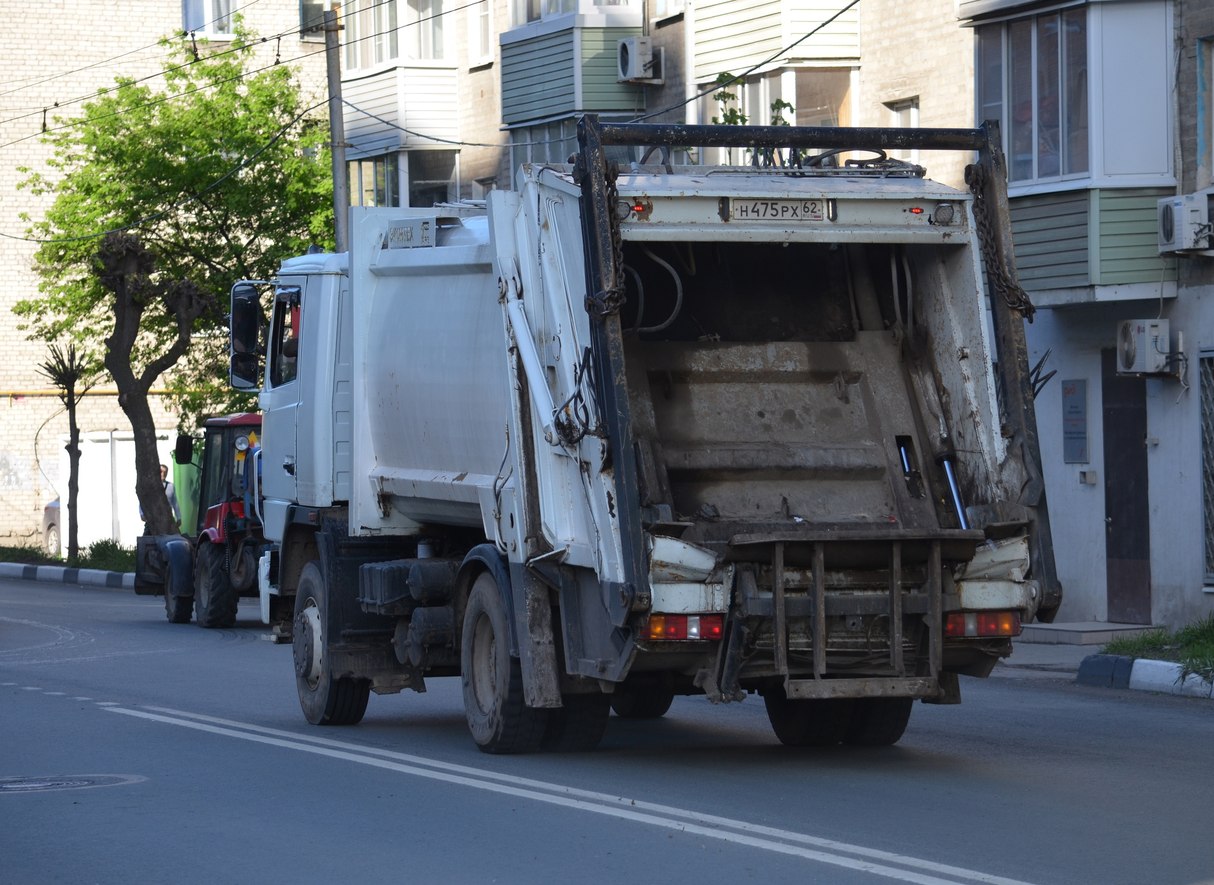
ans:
(337, 133)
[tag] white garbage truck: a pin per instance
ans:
(634, 430)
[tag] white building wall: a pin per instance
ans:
(58, 55)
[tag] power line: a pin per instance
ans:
(220, 54)
(112, 59)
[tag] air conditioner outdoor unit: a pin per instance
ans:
(636, 61)
(1184, 223)
(1144, 347)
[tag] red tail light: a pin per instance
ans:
(666, 626)
(1005, 623)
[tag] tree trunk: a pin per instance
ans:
(73, 480)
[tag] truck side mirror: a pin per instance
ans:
(245, 368)
(183, 452)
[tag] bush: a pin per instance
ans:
(108, 556)
(105, 555)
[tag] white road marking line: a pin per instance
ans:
(682, 820)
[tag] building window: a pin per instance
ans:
(425, 37)
(523, 11)
(1207, 461)
(480, 33)
(375, 181)
(312, 19)
(904, 114)
(210, 17)
(432, 177)
(1033, 78)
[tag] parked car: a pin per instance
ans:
(50, 528)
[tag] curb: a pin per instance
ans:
(58, 574)
(1141, 674)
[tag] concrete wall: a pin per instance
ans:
(59, 55)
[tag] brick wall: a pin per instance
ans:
(918, 50)
(67, 51)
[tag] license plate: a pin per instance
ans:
(776, 210)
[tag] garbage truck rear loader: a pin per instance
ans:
(681, 430)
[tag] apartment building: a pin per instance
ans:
(50, 64)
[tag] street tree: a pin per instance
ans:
(73, 376)
(127, 270)
(221, 170)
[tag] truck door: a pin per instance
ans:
(280, 410)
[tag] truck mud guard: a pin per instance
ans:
(525, 597)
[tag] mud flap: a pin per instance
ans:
(164, 564)
(533, 629)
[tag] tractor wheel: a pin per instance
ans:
(214, 597)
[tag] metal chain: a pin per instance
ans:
(1004, 284)
(609, 301)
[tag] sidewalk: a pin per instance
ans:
(1074, 651)
(59, 574)
(1044, 651)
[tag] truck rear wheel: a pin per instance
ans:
(878, 722)
(641, 703)
(498, 716)
(214, 597)
(324, 699)
(816, 722)
(578, 725)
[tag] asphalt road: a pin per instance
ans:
(132, 750)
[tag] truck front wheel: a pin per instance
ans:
(498, 717)
(325, 700)
(215, 599)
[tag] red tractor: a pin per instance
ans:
(209, 568)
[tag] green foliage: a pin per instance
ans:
(105, 555)
(778, 107)
(109, 556)
(220, 172)
(730, 115)
(1191, 646)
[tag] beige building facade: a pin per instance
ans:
(51, 63)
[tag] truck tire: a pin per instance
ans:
(816, 722)
(641, 703)
(324, 699)
(878, 722)
(578, 725)
(498, 716)
(214, 597)
(177, 608)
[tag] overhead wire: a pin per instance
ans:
(181, 33)
(438, 139)
(213, 55)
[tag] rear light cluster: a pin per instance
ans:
(663, 626)
(982, 624)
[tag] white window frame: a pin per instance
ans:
(523, 12)
(208, 16)
(480, 34)
(904, 114)
(1066, 100)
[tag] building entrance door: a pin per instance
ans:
(1127, 543)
